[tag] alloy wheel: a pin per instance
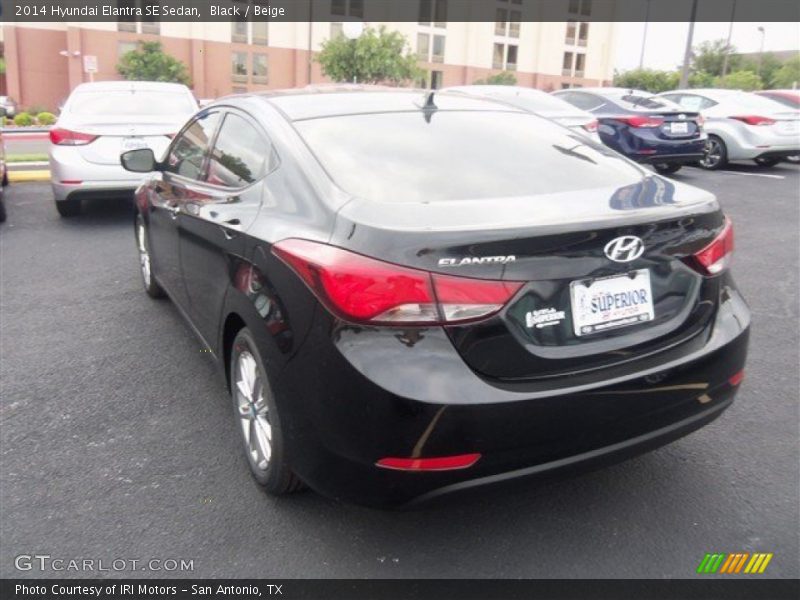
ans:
(251, 407)
(713, 154)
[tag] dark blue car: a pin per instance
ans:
(643, 127)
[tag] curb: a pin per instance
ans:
(26, 176)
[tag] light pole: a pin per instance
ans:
(687, 55)
(728, 43)
(760, 50)
(644, 35)
(352, 30)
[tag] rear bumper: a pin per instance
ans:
(779, 153)
(378, 394)
(671, 159)
(87, 179)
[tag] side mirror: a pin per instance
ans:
(141, 160)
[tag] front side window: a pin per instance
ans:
(188, 151)
(240, 155)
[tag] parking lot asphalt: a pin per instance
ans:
(117, 439)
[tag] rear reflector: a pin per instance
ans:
(441, 463)
(71, 181)
(737, 378)
(641, 121)
(362, 289)
(754, 120)
(65, 137)
(716, 257)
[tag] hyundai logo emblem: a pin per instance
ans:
(624, 248)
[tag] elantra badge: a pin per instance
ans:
(476, 260)
(624, 248)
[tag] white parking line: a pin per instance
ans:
(754, 174)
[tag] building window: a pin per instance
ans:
(260, 33)
(339, 7)
(580, 7)
(239, 32)
(438, 49)
(124, 47)
(565, 86)
(574, 7)
(570, 39)
(433, 12)
(260, 68)
(511, 58)
(497, 56)
(500, 21)
(239, 67)
(583, 34)
(423, 46)
(580, 64)
(126, 23)
(514, 19)
(150, 24)
(436, 79)
(566, 67)
(586, 7)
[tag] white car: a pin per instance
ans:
(742, 126)
(539, 102)
(102, 120)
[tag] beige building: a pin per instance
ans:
(45, 61)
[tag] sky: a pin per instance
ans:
(666, 41)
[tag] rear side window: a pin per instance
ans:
(127, 102)
(458, 155)
(241, 154)
(584, 101)
(692, 102)
(187, 152)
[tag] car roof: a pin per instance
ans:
(111, 86)
(710, 92)
(336, 100)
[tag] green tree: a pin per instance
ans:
(710, 56)
(788, 76)
(740, 80)
(649, 80)
(150, 63)
(376, 56)
(504, 78)
(701, 79)
(770, 65)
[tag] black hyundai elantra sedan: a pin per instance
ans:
(411, 294)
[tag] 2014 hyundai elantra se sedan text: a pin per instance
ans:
(412, 294)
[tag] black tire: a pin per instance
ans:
(766, 162)
(145, 263)
(716, 154)
(667, 169)
(273, 473)
(69, 208)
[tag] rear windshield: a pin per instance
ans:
(126, 102)
(644, 101)
(458, 155)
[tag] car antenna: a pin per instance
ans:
(430, 106)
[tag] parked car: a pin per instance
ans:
(9, 105)
(644, 128)
(3, 177)
(742, 126)
(790, 99)
(101, 120)
(411, 295)
(538, 102)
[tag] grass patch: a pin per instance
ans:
(18, 158)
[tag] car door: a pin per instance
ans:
(182, 166)
(218, 211)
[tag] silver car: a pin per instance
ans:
(102, 120)
(539, 102)
(742, 126)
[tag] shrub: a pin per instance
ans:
(46, 118)
(23, 119)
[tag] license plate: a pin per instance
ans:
(679, 128)
(611, 302)
(133, 143)
(787, 126)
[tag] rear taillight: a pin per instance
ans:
(439, 463)
(716, 257)
(65, 137)
(362, 289)
(754, 120)
(641, 121)
(700, 120)
(591, 126)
